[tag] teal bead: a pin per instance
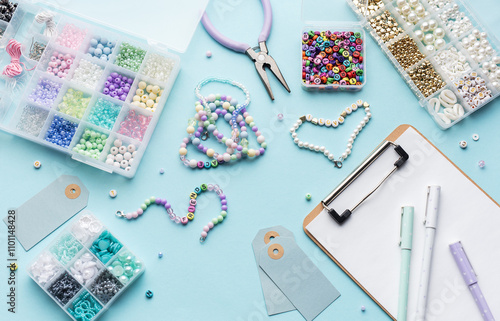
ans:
(118, 271)
(129, 271)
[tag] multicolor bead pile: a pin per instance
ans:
(45, 268)
(64, 288)
(36, 50)
(332, 58)
(91, 143)
(134, 125)
(130, 57)
(473, 90)
(101, 47)
(60, 64)
(86, 228)
(191, 209)
(7, 10)
(45, 92)
(32, 120)
(85, 268)
(117, 86)
(121, 155)
(105, 247)
(147, 96)
(66, 248)
(71, 36)
(125, 266)
(61, 131)
(104, 113)
(158, 67)
(74, 103)
(105, 286)
(84, 308)
(87, 74)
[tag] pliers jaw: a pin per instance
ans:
(263, 59)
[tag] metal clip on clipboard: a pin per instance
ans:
(403, 157)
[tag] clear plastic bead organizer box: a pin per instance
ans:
(455, 53)
(86, 268)
(95, 93)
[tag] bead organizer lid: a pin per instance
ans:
(86, 268)
(92, 86)
(452, 68)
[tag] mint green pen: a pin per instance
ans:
(406, 234)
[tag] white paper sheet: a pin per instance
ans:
(367, 243)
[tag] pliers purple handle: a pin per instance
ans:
(261, 58)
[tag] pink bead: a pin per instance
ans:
(210, 225)
(60, 56)
(183, 145)
(52, 64)
(184, 220)
(67, 56)
(60, 74)
(64, 65)
(206, 228)
(216, 132)
(49, 69)
(55, 53)
(140, 211)
(244, 128)
(134, 214)
(69, 61)
(55, 70)
(204, 234)
(58, 62)
(246, 114)
(257, 153)
(220, 158)
(185, 140)
(234, 145)
(258, 133)
(128, 216)
(238, 155)
(229, 98)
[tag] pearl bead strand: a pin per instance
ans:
(332, 123)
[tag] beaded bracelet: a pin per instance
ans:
(208, 111)
(332, 123)
(191, 209)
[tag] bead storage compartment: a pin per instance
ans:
(333, 57)
(64, 96)
(86, 268)
(452, 53)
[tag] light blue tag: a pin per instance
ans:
(297, 277)
(49, 209)
(276, 301)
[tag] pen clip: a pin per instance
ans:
(427, 203)
(467, 257)
(401, 227)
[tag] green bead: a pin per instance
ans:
(244, 150)
(263, 145)
(144, 207)
(223, 213)
(233, 157)
(147, 202)
(152, 199)
(220, 218)
(215, 221)
(251, 124)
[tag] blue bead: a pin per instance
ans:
(104, 40)
(100, 46)
(110, 44)
(98, 52)
(106, 51)
(93, 42)
(91, 50)
(104, 57)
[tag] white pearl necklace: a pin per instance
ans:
(332, 123)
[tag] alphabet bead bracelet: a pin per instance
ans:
(191, 209)
(332, 123)
(208, 111)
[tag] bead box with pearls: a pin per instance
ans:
(87, 76)
(449, 49)
(85, 269)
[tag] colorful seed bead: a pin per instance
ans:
(86, 228)
(332, 58)
(147, 96)
(61, 131)
(64, 288)
(60, 64)
(134, 125)
(45, 268)
(71, 36)
(105, 247)
(85, 307)
(85, 268)
(158, 67)
(105, 287)
(121, 156)
(87, 74)
(125, 266)
(101, 47)
(66, 248)
(74, 103)
(104, 113)
(32, 120)
(117, 86)
(91, 143)
(45, 92)
(130, 57)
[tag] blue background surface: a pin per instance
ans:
(218, 280)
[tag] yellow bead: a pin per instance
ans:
(249, 119)
(156, 89)
(226, 105)
(142, 85)
(210, 152)
(183, 151)
(150, 103)
(155, 105)
(139, 92)
(190, 216)
(152, 96)
(136, 98)
(144, 98)
(190, 129)
(251, 152)
(136, 103)
(142, 105)
(198, 108)
(149, 88)
(158, 99)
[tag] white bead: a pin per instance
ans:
(362, 124)
(432, 24)
(356, 131)
(419, 34)
(429, 39)
(425, 26)
(326, 152)
(439, 44)
(369, 115)
(316, 148)
(344, 155)
(359, 127)
(311, 147)
(294, 135)
(412, 17)
(330, 156)
(306, 145)
(322, 149)
(348, 151)
(353, 136)
(366, 119)
(296, 126)
(292, 130)
(300, 144)
(351, 140)
(295, 140)
(193, 163)
(349, 145)
(439, 33)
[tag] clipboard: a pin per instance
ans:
(353, 271)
